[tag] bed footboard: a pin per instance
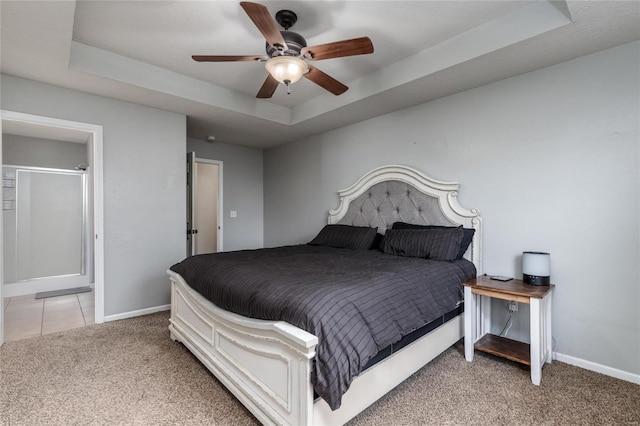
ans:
(265, 364)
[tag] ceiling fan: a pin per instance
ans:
(287, 52)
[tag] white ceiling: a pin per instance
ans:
(140, 51)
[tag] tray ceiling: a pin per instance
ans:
(140, 51)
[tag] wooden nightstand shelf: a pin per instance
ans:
(477, 322)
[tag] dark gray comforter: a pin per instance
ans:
(355, 301)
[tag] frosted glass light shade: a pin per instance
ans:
(536, 268)
(286, 69)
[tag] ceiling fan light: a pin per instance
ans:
(286, 69)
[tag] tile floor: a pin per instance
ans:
(26, 316)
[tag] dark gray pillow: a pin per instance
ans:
(345, 236)
(428, 243)
(467, 234)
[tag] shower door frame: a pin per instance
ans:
(51, 282)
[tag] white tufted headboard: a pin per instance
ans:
(391, 194)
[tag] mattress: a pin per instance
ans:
(357, 302)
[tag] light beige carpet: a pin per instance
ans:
(130, 373)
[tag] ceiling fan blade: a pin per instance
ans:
(325, 81)
(268, 88)
(338, 49)
(261, 18)
(229, 58)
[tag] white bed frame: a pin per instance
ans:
(267, 364)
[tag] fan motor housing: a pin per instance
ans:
(295, 43)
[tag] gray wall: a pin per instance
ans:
(551, 160)
(144, 186)
(242, 191)
(36, 152)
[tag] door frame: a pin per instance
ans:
(220, 198)
(94, 145)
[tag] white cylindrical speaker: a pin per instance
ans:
(536, 268)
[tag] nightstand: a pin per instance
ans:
(477, 322)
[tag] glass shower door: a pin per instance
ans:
(50, 224)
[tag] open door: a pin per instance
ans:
(191, 161)
(204, 205)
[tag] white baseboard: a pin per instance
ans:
(598, 368)
(137, 313)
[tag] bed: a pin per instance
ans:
(269, 365)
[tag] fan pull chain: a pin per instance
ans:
(288, 84)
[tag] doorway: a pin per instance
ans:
(204, 205)
(57, 129)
